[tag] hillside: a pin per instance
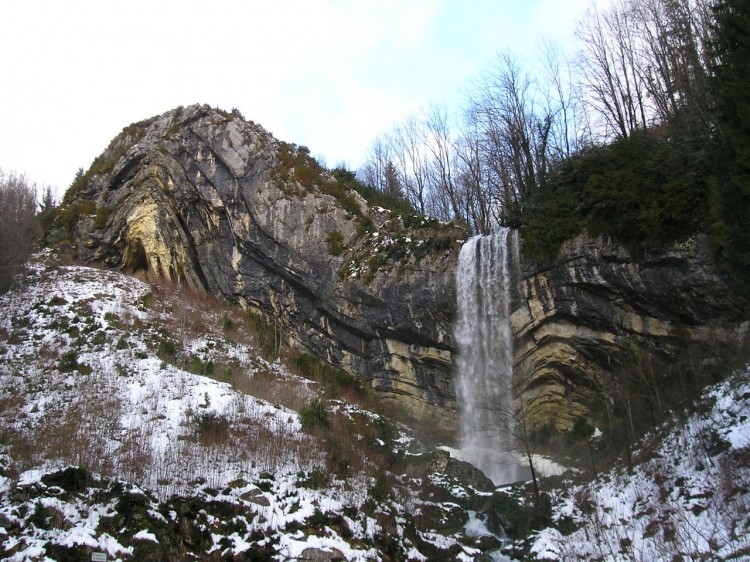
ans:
(687, 496)
(143, 421)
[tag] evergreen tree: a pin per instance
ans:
(47, 213)
(731, 90)
(48, 200)
(392, 182)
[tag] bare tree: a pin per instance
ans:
(473, 180)
(409, 146)
(373, 172)
(673, 38)
(644, 62)
(514, 131)
(17, 224)
(615, 88)
(439, 140)
(568, 126)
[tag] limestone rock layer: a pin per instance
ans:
(202, 197)
(597, 314)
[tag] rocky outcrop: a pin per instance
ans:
(202, 197)
(597, 310)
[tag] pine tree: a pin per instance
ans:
(731, 90)
(47, 213)
(393, 186)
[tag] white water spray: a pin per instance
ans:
(485, 355)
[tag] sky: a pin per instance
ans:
(328, 74)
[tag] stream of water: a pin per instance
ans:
(485, 356)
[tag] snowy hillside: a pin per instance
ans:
(688, 499)
(81, 364)
(191, 445)
(143, 422)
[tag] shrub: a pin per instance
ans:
(316, 480)
(520, 519)
(227, 323)
(339, 456)
(101, 217)
(68, 361)
(314, 415)
(167, 348)
(268, 335)
(348, 179)
(73, 479)
(335, 242)
(334, 380)
(211, 428)
(582, 430)
(381, 489)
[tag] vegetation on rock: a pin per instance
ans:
(642, 137)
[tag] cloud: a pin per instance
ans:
(327, 73)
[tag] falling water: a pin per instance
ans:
(485, 355)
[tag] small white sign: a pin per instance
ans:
(98, 557)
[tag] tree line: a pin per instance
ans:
(20, 224)
(661, 69)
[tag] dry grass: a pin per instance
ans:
(86, 426)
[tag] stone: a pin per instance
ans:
(464, 473)
(320, 555)
(201, 197)
(204, 198)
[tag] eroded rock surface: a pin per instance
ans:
(202, 197)
(597, 310)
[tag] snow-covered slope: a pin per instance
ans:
(82, 383)
(688, 499)
(144, 423)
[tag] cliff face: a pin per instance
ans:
(202, 197)
(596, 311)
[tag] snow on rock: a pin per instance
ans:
(102, 371)
(144, 535)
(689, 500)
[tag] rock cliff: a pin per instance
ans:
(203, 197)
(596, 311)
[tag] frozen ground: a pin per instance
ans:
(162, 397)
(206, 455)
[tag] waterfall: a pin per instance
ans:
(485, 355)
